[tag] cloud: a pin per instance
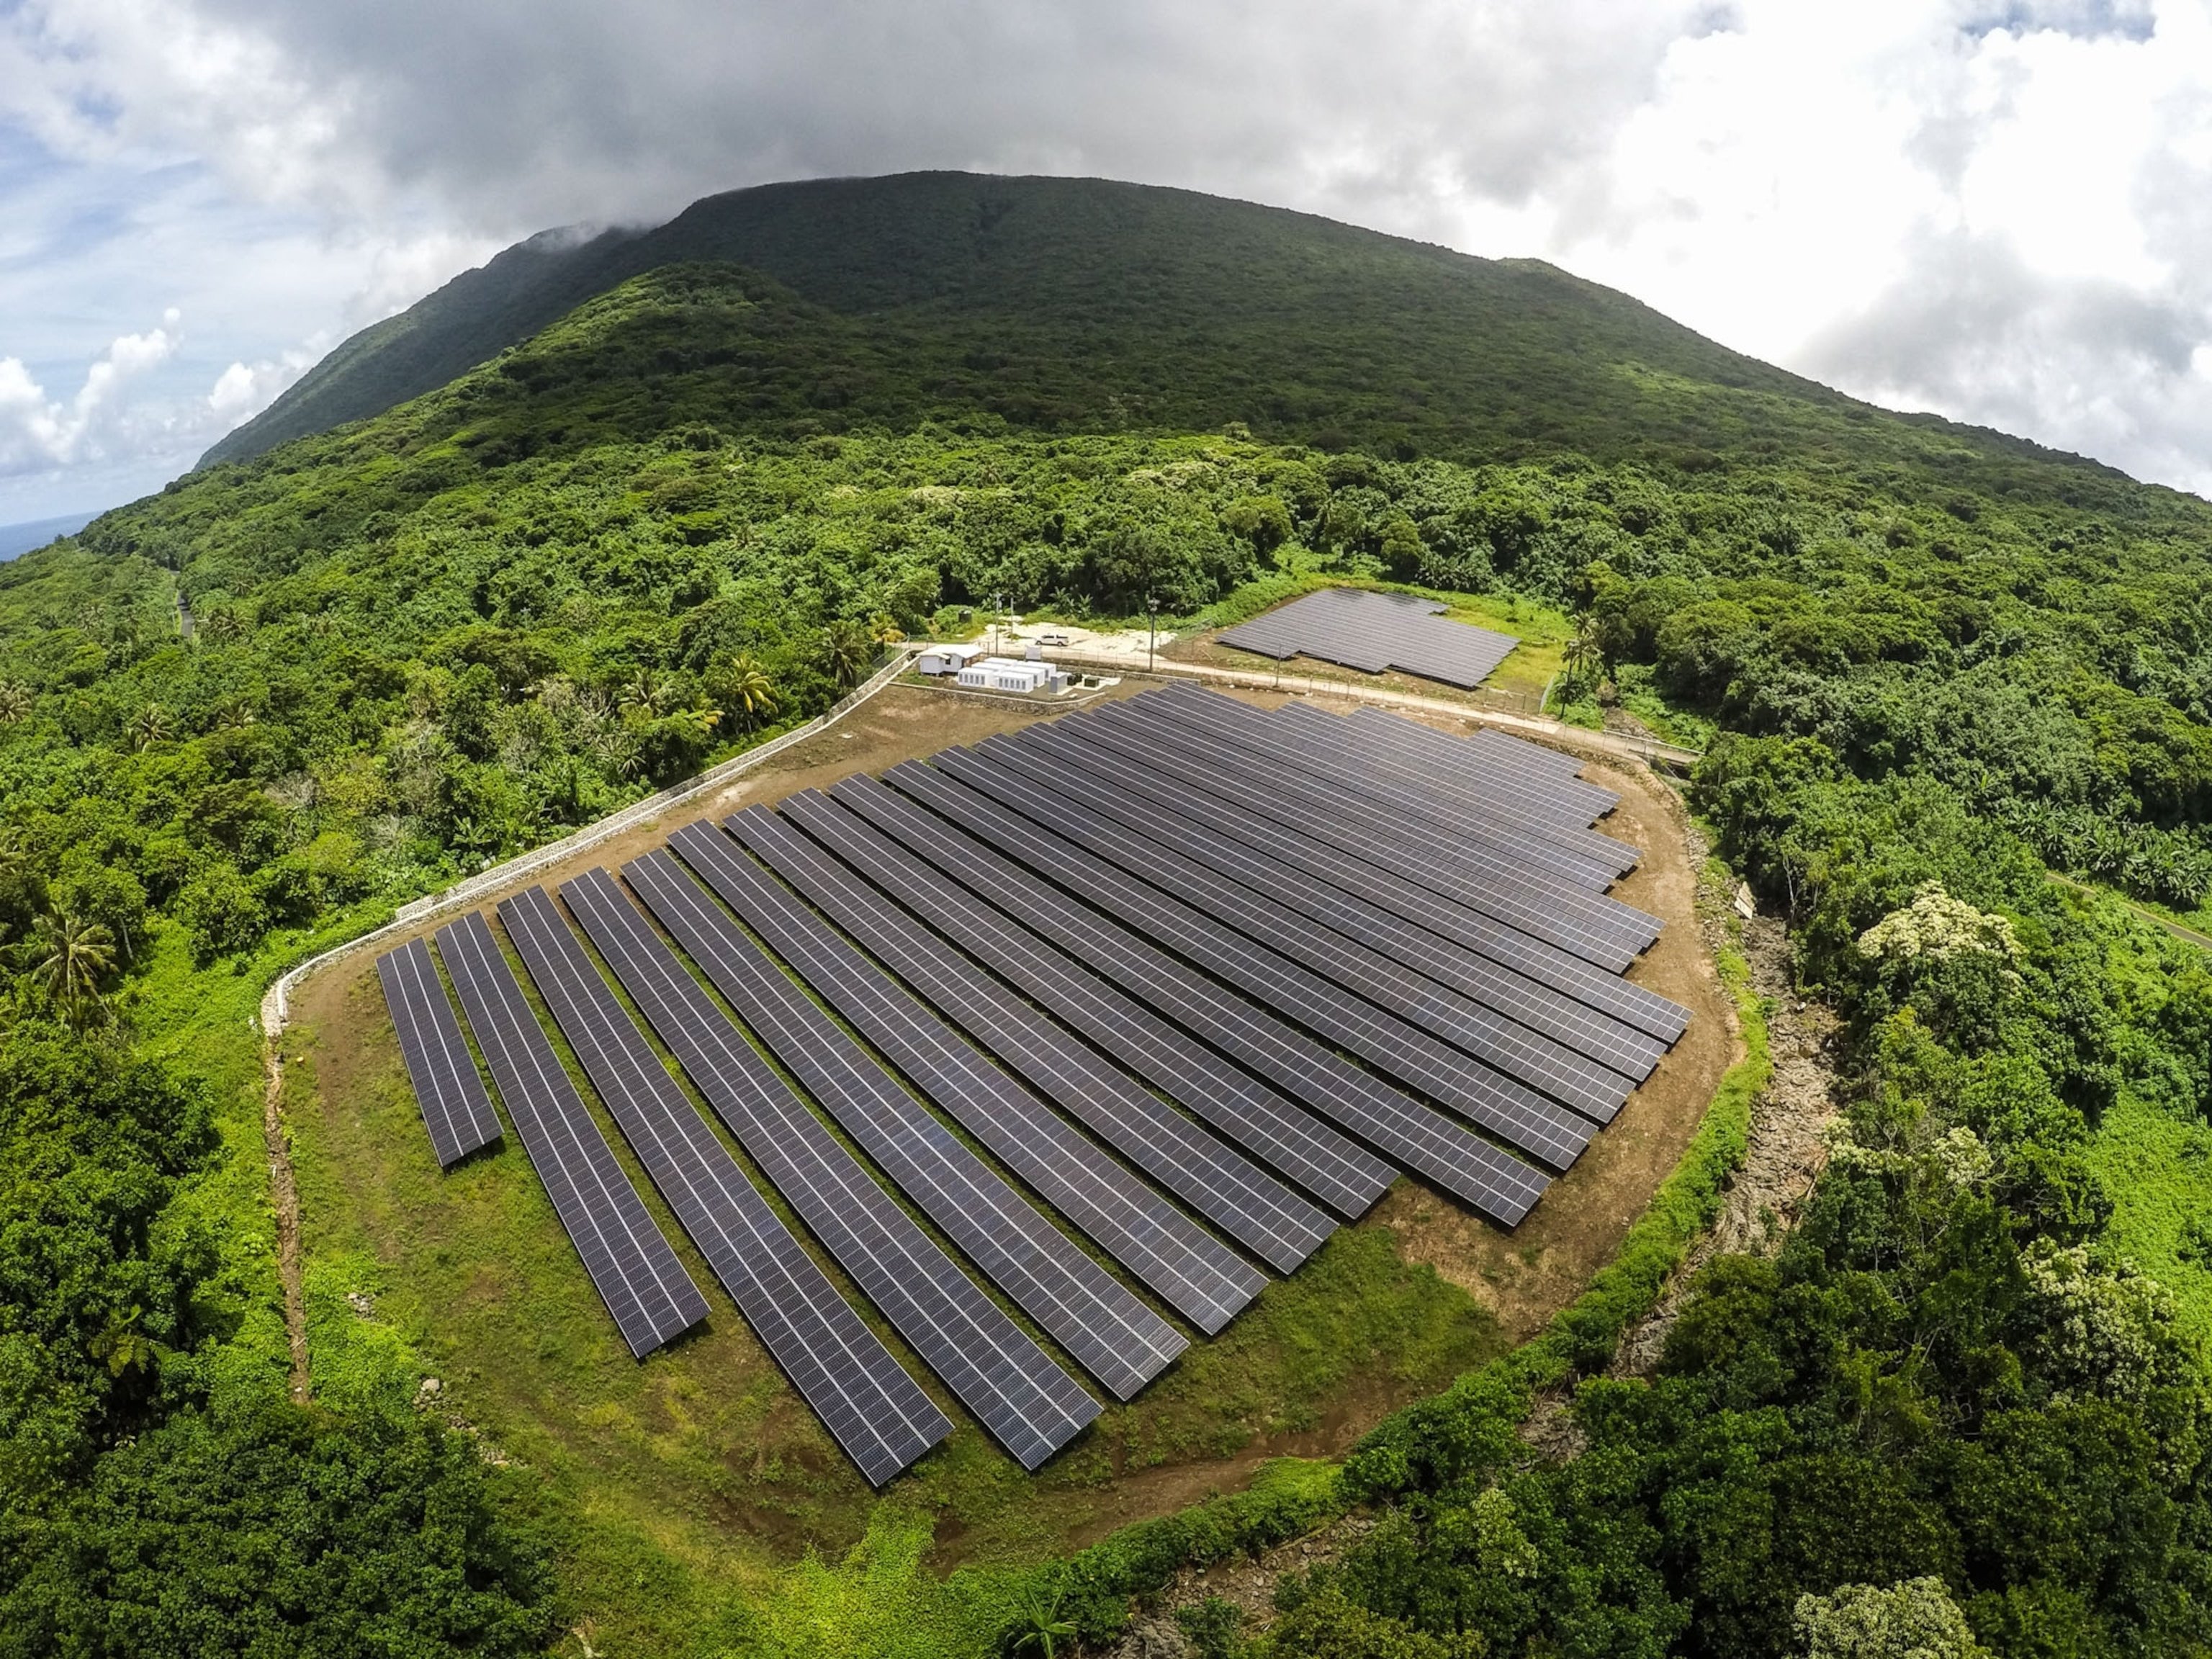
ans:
(1998, 209)
(38, 433)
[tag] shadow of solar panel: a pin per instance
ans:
(1394, 916)
(1241, 1108)
(1446, 1075)
(1201, 1276)
(1365, 950)
(637, 1275)
(448, 1089)
(1400, 1126)
(1374, 631)
(1114, 1335)
(872, 1408)
(1029, 1404)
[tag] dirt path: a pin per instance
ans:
(284, 1192)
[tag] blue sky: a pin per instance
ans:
(1999, 210)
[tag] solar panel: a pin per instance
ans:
(1029, 1404)
(1444, 1074)
(1557, 950)
(1243, 1109)
(1544, 808)
(448, 1089)
(1377, 837)
(1193, 1270)
(1570, 867)
(1518, 752)
(1367, 951)
(1228, 1190)
(1328, 884)
(1374, 631)
(865, 1399)
(1402, 1128)
(638, 1276)
(1114, 1335)
(1565, 796)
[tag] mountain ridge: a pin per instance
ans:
(1190, 309)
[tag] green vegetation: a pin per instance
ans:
(1962, 1405)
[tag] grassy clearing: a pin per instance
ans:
(694, 1497)
(2159, 1169)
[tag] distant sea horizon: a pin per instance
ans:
(19, 539)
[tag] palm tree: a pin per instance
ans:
(148, 726)
(852, 649)
(747, 687)
(79, 955)
(235, 714)
(1583, 660)
(15, 702)
(1039, 1628)
(646, 692)
(887, 631)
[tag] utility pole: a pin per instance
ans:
(1152, 631)
(997, 610)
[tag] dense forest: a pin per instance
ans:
(1955, 1410)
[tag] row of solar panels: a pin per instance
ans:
(1259, 1005)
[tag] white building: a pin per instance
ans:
(946, 658)
(1006, 674)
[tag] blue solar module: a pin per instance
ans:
(1201, 1276)
(448, 1088)
(638, 1276)
(1353, 944)
(865, 1399)
(1540, 1027)
(1028, 1403)
(1241, 1108)
(1150, 894)
(1114, 1335)
(1402, 1128)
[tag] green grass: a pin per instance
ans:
(2158, 1168)
(694, 1495)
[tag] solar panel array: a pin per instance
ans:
(1182, 977)
(1376, 631)
(448, 1089)
(644, 1287)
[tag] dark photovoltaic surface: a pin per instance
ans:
(644, 1285)
(877, 1412)
(1111, 1333)
(1243, 1200)
(1204, 1280)
(1172, 914)
(1376, 631)
(1387, 1118)
(1365, 903)
(1028, 1402)
(1239, 1107)
(448, 1088)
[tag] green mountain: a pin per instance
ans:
(615, 507)
(1079, 305)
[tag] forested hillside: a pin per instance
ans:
(1931, 667)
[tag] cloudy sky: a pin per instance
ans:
(1997, 208)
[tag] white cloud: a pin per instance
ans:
(37, 432)
(2000, 209)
